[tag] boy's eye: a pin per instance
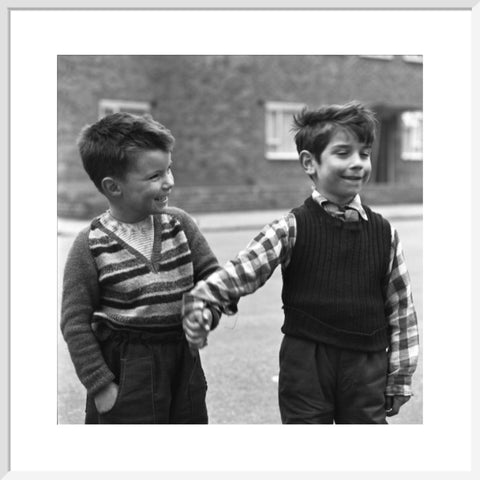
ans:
(158, 175)
(365, 154)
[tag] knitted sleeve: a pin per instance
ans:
(80, 298)
(204, 260)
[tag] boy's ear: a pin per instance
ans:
(111, 187)
(306, 160)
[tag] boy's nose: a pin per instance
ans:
(168, 184)
(356, 162)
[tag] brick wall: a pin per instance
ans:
(214, 106)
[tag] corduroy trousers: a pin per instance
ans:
(319, 383)
(159, 380)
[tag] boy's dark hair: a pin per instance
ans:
(108, 146)
(315, 128)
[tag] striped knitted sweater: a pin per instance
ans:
(138, 291)
(108, 282)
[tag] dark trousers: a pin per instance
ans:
(319, 383)
(159, 380)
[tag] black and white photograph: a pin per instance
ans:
(233, 167)
(239, 237)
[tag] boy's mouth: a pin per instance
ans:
(161, 199)
(353, 178)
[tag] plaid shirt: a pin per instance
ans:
(273, 246)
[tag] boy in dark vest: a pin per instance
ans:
(350, 343)
(124, 280)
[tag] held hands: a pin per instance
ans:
(106, 397)
(196, 326)
(393, 403)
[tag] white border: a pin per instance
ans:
(32, 427)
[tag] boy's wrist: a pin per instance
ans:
(399, 385)
(216, 314)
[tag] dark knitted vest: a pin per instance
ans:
(333, 285)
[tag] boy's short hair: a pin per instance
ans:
(108, 146)
(315, 128)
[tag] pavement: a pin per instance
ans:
(256, 219)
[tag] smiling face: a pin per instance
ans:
(145, 188)
(343, 169)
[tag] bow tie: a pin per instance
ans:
(347, 214)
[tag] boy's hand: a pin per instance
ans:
(196, 326)
(106, 397)
(394, 402)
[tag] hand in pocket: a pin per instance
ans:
(105, 399)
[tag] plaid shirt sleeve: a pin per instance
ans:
(402, 321)
(251, 268)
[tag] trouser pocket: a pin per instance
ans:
(134, 402)
(132, 365)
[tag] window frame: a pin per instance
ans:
(410, 156)
(413, 58)
(117, 106)
(271, 137)
(379, 57)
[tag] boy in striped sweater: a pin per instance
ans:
(124, 280)
(351, 337)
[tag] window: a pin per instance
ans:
(411, 124)
(413, 58)
(379, 57)
(278, 123)
(107, 107)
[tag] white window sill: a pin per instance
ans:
(281, 156)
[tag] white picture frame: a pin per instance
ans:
(212, 452)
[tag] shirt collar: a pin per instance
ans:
(356, 203)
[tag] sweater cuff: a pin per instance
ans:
(191, 303)
(100, 379)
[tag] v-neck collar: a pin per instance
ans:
(156, 255)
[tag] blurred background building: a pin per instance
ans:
(231, 117)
